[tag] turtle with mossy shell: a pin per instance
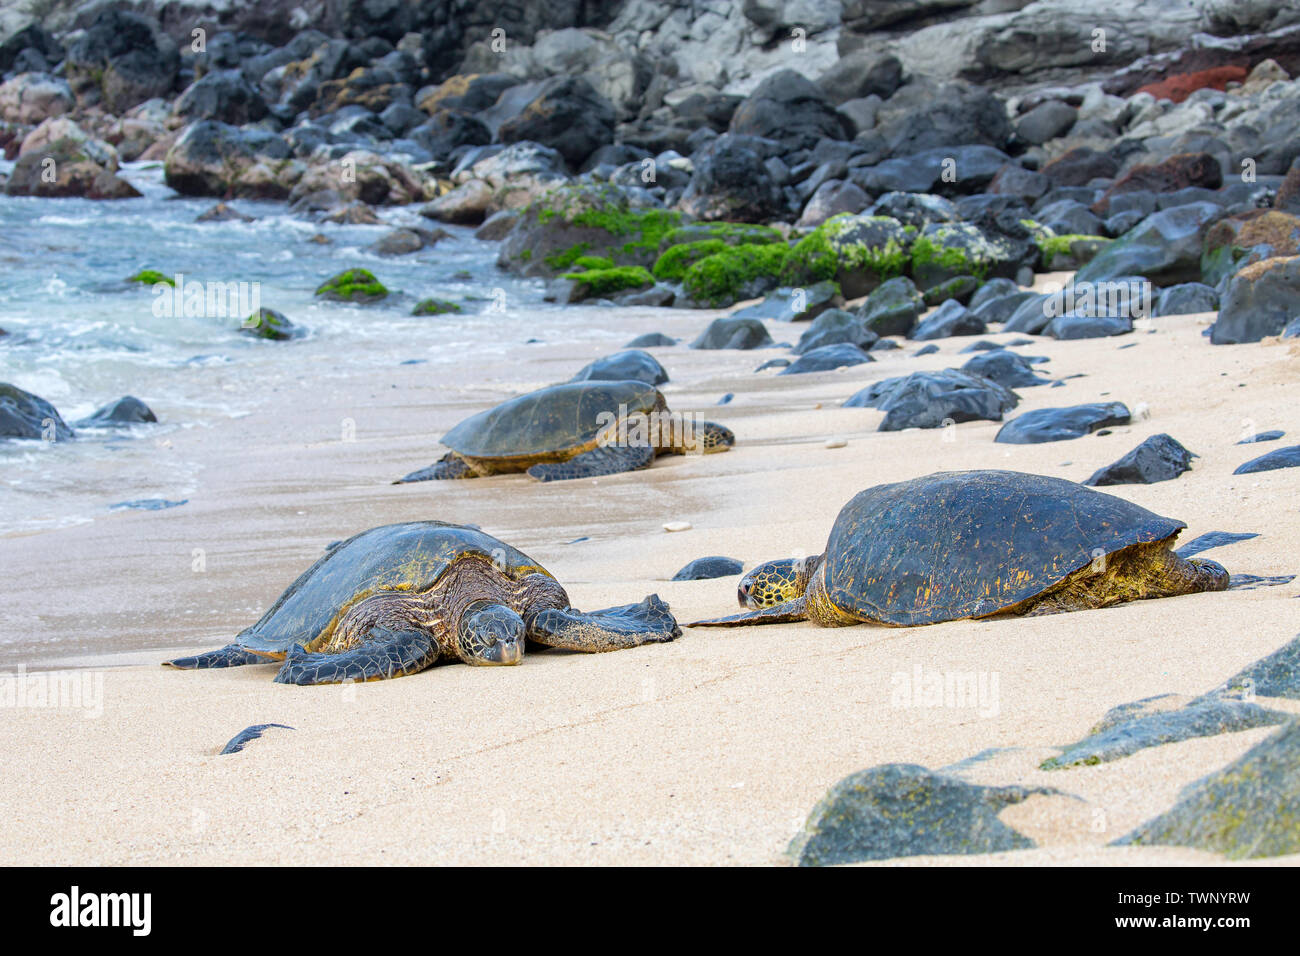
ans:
(972, 544)
(575, 430)
(399, 598)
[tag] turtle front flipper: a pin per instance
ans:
(381, 654)
(796, 610)
(603, 460)
(450, 465)
(614, 628)
(232, 655)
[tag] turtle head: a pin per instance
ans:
(776, 582)
(490, 634)
(714, 437)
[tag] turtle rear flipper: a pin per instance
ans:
(450, 465)
(796, 610)
(614, 628)
(232, 655)
(604, 460)
(382, 654)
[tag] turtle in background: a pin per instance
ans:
(971, 544)
(401, 597)
(575, 430)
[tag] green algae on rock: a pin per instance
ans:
(603, 282)
(897, 810)
(436, 307)
(1249, 809)
(857, 251)
(353, 285)
(270, 324)
(151, 277)
(734, 273)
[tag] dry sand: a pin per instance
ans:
(711, 749)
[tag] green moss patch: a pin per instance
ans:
(719, 279)
(1053, 246)
(602, 282)
(874, 246)
(436, 307)
(151, 277)
(354, 285)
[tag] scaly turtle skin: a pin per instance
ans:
(972, 544)
(574, 430)
(395, 599)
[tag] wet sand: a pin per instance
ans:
(711, 749)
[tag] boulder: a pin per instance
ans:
(897, 810)
(955, 114)
(732, 182)
(1248, 809)
(791, 109)
(1165, 247)
(733, 333)
(1159, 458)
(827, 358)
(794, 305)
(1046, 121)
(1004, 367)
(704, 569)
(120, 60)
(651, 340)
(127, 410)
(1060, 424)
(567, 115)
(1261, 299)
(951, 318)
(893, 308)
(223, 95)
(270, 325)
(59, 159)
(1080, 166)
(1175, 173)
(24, 415)
(468, 203)
(830, 199)
(935, 399)
(628, 365)
(30, 98)
(1187, 298)
(833, 327)
(861, 74)
(1278, 458)
(1072, 325)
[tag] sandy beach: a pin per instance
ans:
(708, 750)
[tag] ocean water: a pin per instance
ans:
(80, 336)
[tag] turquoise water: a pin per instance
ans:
(79, 336)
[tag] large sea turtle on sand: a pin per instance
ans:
(969, 544)
(398, 598)
(575, 430)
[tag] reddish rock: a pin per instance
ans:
(1182, 85)
(1080, 166)
(1175, 173)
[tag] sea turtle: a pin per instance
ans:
(574, 430)
(395, 599)
(968, 544)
